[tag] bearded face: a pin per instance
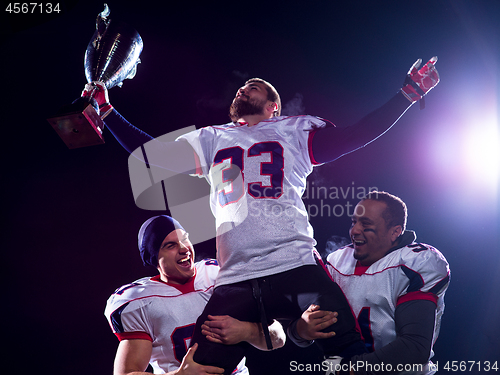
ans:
(244, 106)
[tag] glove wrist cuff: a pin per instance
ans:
(408, 94)
(105, 109)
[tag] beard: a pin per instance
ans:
(359, 257)
(240, 108)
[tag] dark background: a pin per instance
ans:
(70, 222)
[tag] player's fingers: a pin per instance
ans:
(209, 335)
(321, 325)
(330, 317)
(205, 328)
(207, 331)
(313, 307)
(217, 317)
(214, 324)
(415, 66)
(429, 66)
(433, 60)
(213, 370)
(214, 339)
(323, 335)
(330, 321)
(320, 314)
(325, 324)
(191, 351)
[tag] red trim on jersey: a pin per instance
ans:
(133, 336)
(359, 269)
(309, 147)
(417, 295)
(323, 265)
(373, 273)
(183, 288)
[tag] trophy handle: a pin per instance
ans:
(112, 55)
(101, 24)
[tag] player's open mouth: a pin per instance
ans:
(185, 262)
(358, 242)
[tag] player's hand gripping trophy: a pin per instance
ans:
(112, 55)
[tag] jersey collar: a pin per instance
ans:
(183, 288)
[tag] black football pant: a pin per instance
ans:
(283, 296)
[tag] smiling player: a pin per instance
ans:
(154, 317)
(396, 286)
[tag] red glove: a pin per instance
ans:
(98, 91)
(419, 82)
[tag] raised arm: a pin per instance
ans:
(174, 156)
(330, 143)
(125, 133)
(132, 358)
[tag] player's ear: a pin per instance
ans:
(395, 232)
(272, 107)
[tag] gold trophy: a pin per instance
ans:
(112, 55)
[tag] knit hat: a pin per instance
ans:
(151, 236)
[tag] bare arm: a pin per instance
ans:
(330, 143)
(132, 358)
(176, 156)
(224, 329)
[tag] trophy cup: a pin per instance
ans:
(112, 55)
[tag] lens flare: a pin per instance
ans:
(481, 152)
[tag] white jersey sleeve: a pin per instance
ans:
(258, 176)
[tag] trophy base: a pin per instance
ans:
(78, 125)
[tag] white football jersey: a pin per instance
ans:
(258, 176)
(416, 271)
(163, 313)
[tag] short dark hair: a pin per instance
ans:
(272, 93)
(396, 212)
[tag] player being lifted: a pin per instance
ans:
(268, 270)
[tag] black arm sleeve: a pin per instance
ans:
(414, 329)
(177, 156)
(330, 143)
(125, 133)
(295, 337)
